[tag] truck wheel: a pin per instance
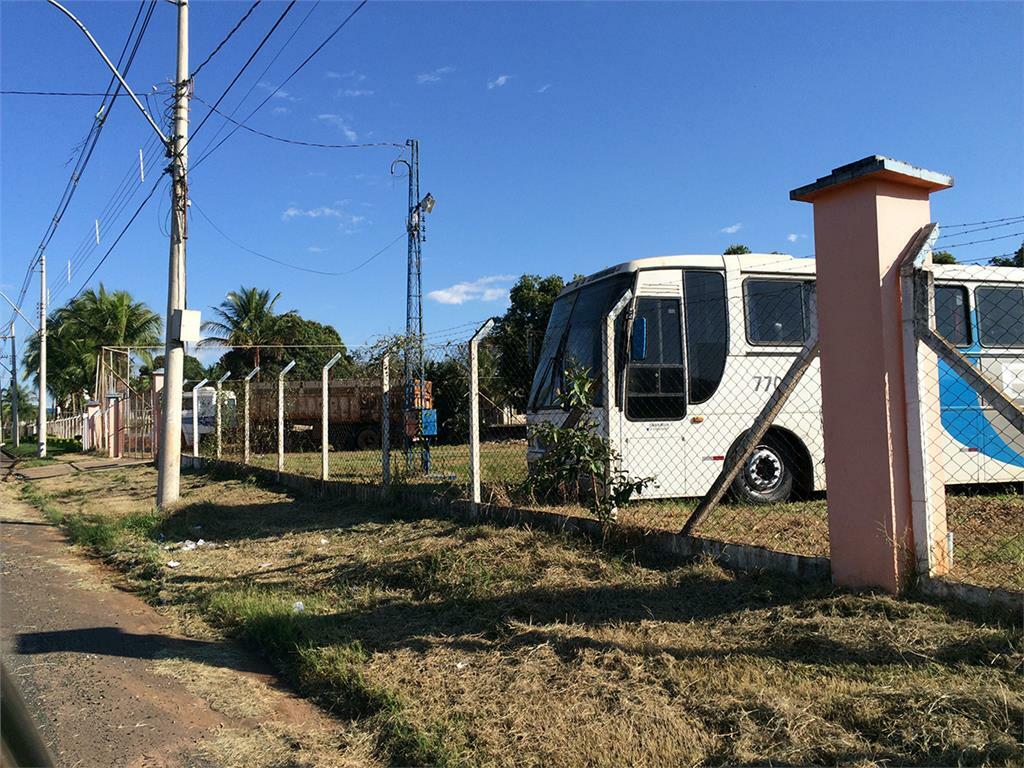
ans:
(766, 476)
(368, 439)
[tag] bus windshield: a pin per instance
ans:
(573, 338)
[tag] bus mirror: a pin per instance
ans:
(638, 348)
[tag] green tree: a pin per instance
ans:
(77, 332)
(736, 249)
(27, 410)
(315, 344)
(193, 369)
(245, 320)
(1014, 260)
(943, 257)
(520, 332)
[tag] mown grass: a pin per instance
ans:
(56, 447)
(477, 645)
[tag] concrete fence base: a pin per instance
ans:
(743, 557)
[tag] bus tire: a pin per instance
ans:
(368, 439)
(767, 475)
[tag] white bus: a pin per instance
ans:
(685, 360)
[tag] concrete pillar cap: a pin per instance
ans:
(873, 166)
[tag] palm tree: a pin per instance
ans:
(80, 328)
(246, 318)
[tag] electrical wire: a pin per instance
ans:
(283, 263)
(284, 140)
(142, 92)
(227, 37)
(245, 66)
(87, 146)
(119, 236)
(294, 72)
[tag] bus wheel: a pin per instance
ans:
(766, 477)
(368, 439)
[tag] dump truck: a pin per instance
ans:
(353, 413)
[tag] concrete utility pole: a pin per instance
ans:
(16, 437)
(41, 452)
(169, 467)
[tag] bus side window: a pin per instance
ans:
(778, 311)
(707, 332)
(1000, 316)
(655, 385)
(952, 315)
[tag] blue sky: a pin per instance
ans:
(556, 137)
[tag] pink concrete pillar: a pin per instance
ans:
(113, 426)
(90, 434)
(865, 214)
(156, 401)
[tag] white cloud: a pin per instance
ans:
(339, 122)
(281, 110)
(487, 288)
(355, 92)
(434, 76)
(350, 75)
(499, 81)
(347, 222)
(544, 88)
(732, 229)
(281, 93)
(315, 249)
(794, 237)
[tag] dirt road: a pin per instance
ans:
(111, 684)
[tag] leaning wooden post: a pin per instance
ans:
(195, 418)
(474, 409)
(220, 382)
(280, 416)
(385, 419)
(324, 444)
(245, 414)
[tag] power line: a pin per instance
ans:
(258, 80)
(245, 66)
(89, 143)
(71, 93)
(227, 37)
(283, 263)
(300, 143)
(294, 72)
(119, 236)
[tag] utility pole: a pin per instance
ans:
(169, 468)
(414, 373)
(41, 452)
(16, 437)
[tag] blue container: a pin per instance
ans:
(428, 422)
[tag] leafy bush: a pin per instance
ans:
(579, 465)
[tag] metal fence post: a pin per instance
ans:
(324, 445)
(385, 418)
(280, 415)
(195, 417)
(220, 381)
(245, 415)
(474, 409)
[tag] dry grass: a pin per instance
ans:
(474, 645)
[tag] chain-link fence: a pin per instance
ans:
(975, 429)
